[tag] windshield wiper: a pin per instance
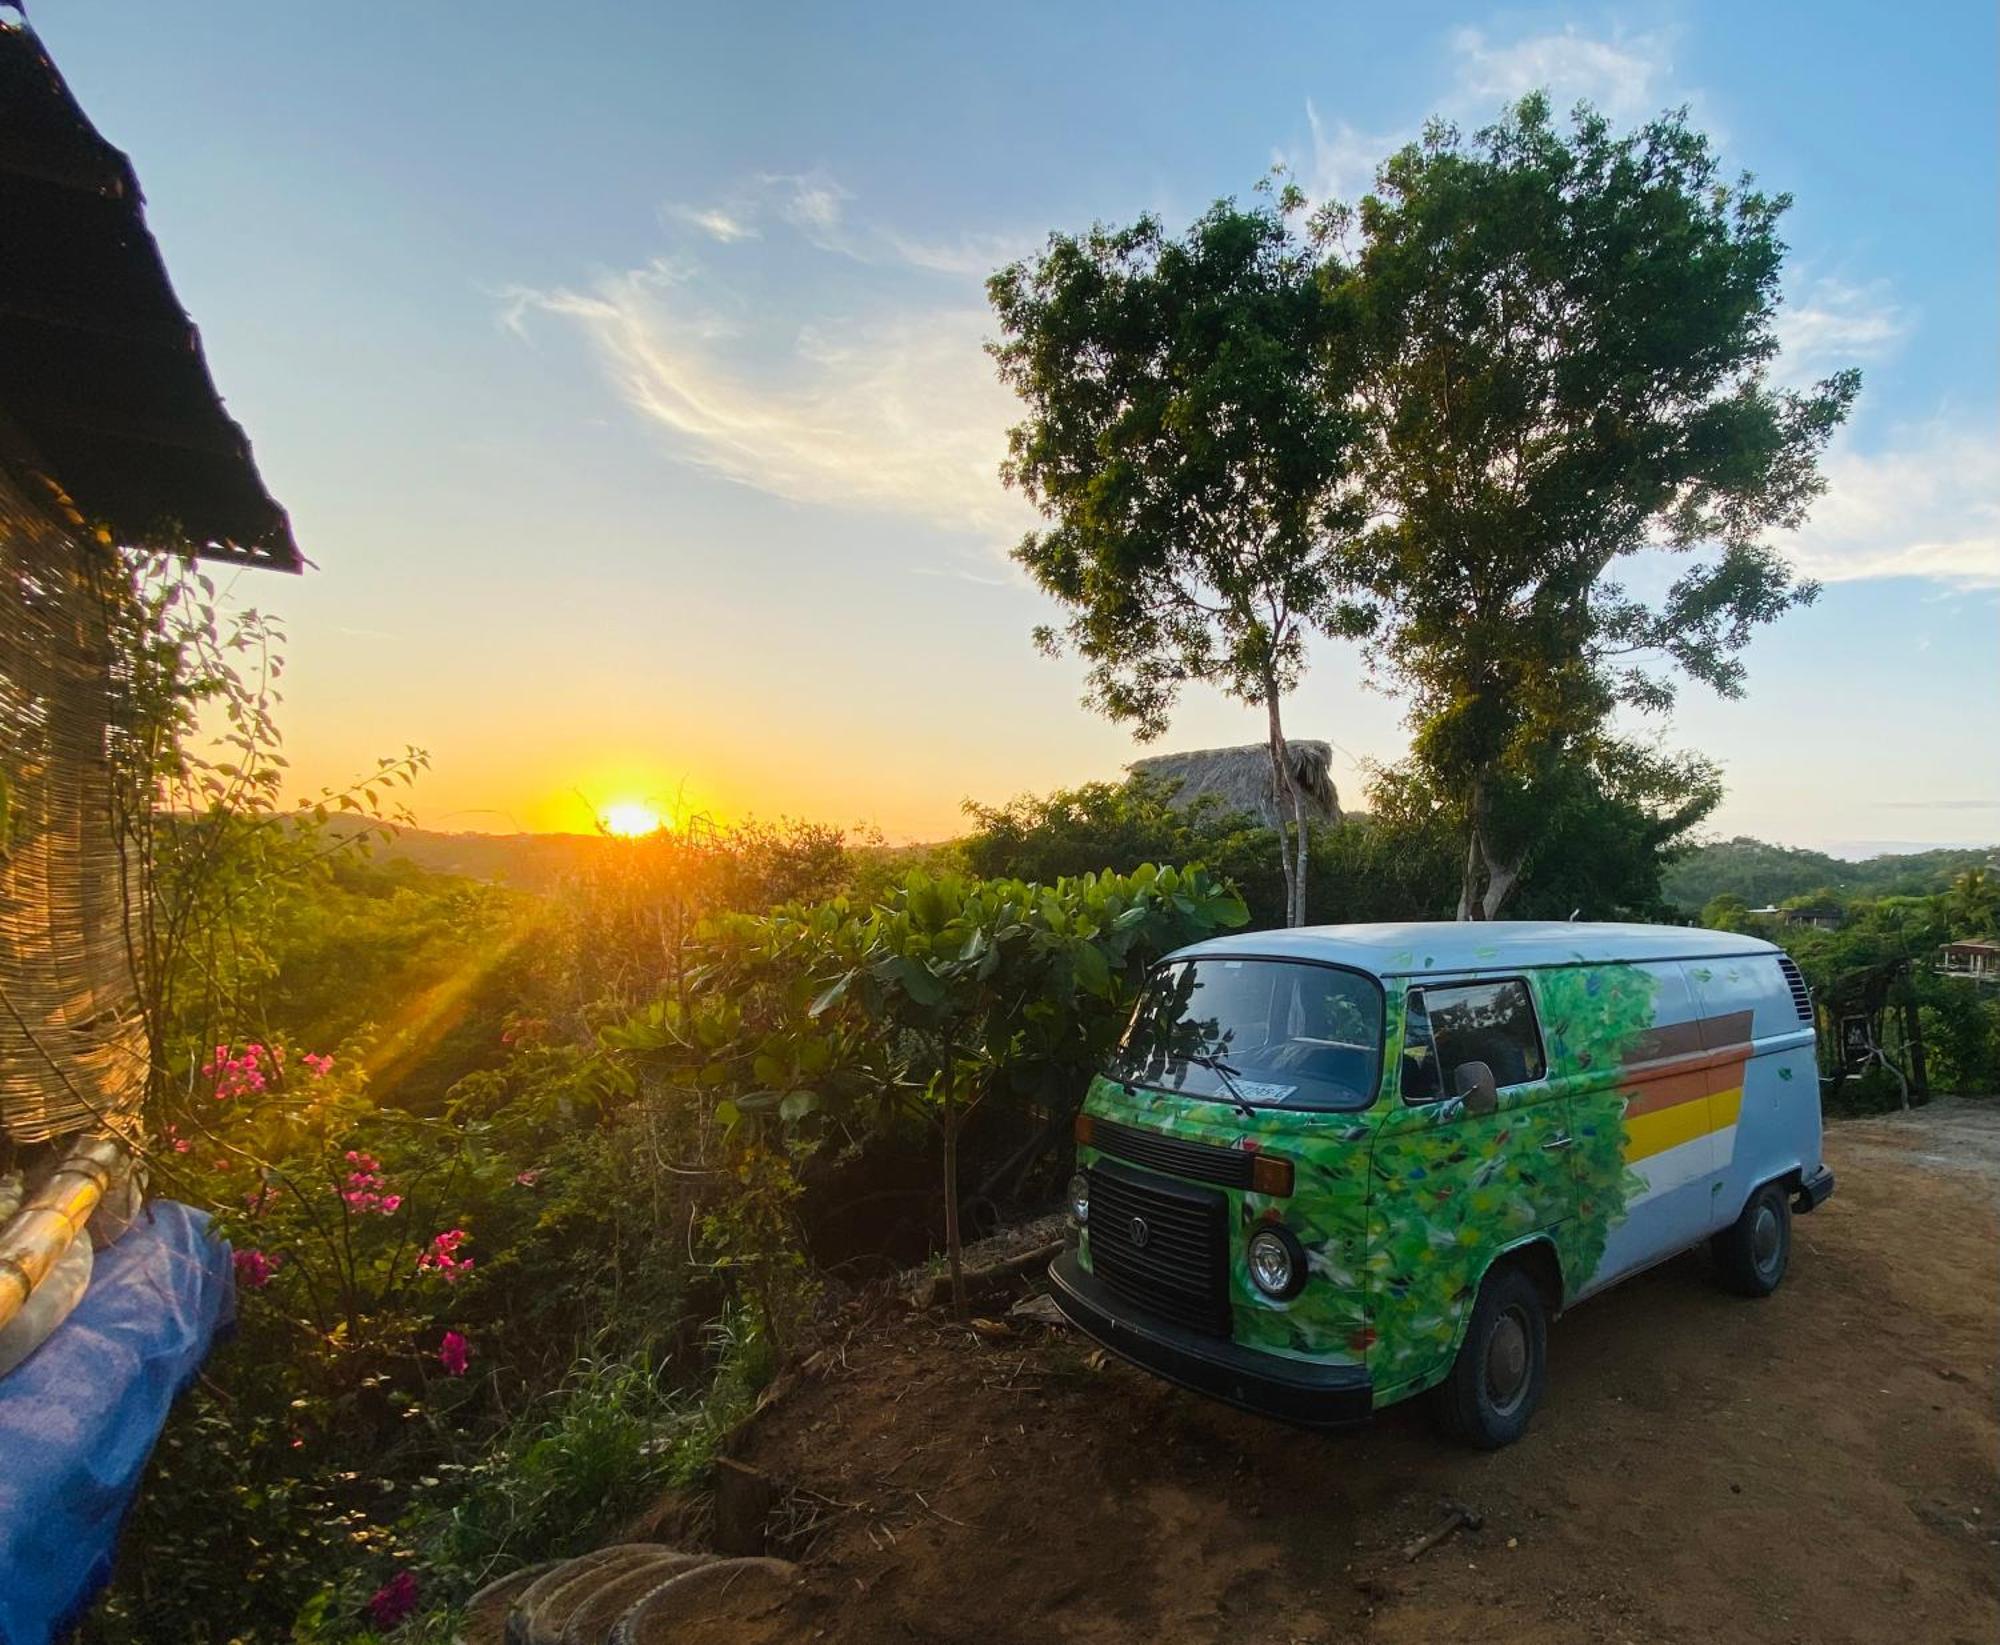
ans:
(1222, 1071)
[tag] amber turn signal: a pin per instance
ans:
(1084, 1130)
(1271, 1174)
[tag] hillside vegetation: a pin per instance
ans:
(1762, 874)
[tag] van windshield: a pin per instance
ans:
(1283, 1033)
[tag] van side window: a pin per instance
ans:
(1489, 1022)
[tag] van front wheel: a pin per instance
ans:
(1752, 1253)
(1496, 1382)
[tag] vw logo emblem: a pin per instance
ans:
(1140, 1232)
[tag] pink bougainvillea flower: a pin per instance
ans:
(319, 1065)
(528, 1179)
(365, 1187)
(393, 1601)
(442, 1258)
(254, 1269)
(454, 1354)
(239, 1074)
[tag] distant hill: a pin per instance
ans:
(1754, 870)
(1761, 873)
(527, 862)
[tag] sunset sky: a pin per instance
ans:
(620, 366)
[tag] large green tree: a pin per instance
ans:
(1181, 443)
(1563, 340)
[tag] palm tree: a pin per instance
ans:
(1974, 902)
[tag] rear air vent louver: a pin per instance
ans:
(1801, 995)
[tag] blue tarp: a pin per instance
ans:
(79, 1416)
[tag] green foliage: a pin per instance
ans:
(586, 1456)
(1114, 827)
(1563, 342)
(1588, 836)
(1596, 840)
(823, 1023)
(1760, 874)
(1727, 912)
(1182, 445)
(1879, 961)
(1974, 903)
(1960, 1022)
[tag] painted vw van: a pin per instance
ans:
(1328, 1169)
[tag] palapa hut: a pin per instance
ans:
(1241, 779)
(111, 437)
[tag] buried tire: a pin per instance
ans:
(1497, 1380)
(1753, 1252)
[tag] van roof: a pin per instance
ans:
(1416, 947)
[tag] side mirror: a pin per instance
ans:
(1472, 1083)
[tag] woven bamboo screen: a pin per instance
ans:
(72, 1042)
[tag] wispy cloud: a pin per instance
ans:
(813, 203)
(721, 224)
(1938, 805)
(1341, 160)
(886, 402)
(899, 414)
(1625, 76)
(1827, 323)
(977, 255)
(1928, 505)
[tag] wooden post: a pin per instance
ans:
(1913, 1037)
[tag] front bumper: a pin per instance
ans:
(1309, 1396)
(1813, 1189)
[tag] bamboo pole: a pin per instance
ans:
(34, 1239)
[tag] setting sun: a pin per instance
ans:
(631, 818)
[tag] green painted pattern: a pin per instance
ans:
(1326, 1213)
(1401, 1209)
(1591, 1016)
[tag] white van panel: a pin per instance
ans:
(1770, 1126)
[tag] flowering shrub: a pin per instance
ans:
(393, 1601)
(363, 1190)
(442, 1258)
(254, 1269)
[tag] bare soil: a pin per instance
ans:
(1820, 1466)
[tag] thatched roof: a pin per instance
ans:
(101, 371)
(1240, 778)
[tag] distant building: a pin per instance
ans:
(1815, 916)
(1978, 960)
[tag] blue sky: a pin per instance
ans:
(620, 367)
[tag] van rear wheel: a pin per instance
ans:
(1752, 1253)
(1497, 1380)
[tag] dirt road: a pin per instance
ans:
(1820, 1466)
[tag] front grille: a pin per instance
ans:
(1801, 995)
(1180, 1269)
(1226, 1167)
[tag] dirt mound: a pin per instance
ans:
(1819, 1466)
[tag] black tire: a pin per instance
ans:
(1502, 1367)
(1752, 1253)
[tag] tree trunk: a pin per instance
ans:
(954, 1248)
(1292, 855)
(1471, 902)
(1468, 886)
(1302, 847)
(1487, 882)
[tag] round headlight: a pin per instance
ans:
(1079, 1197)
(1277, 1264)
